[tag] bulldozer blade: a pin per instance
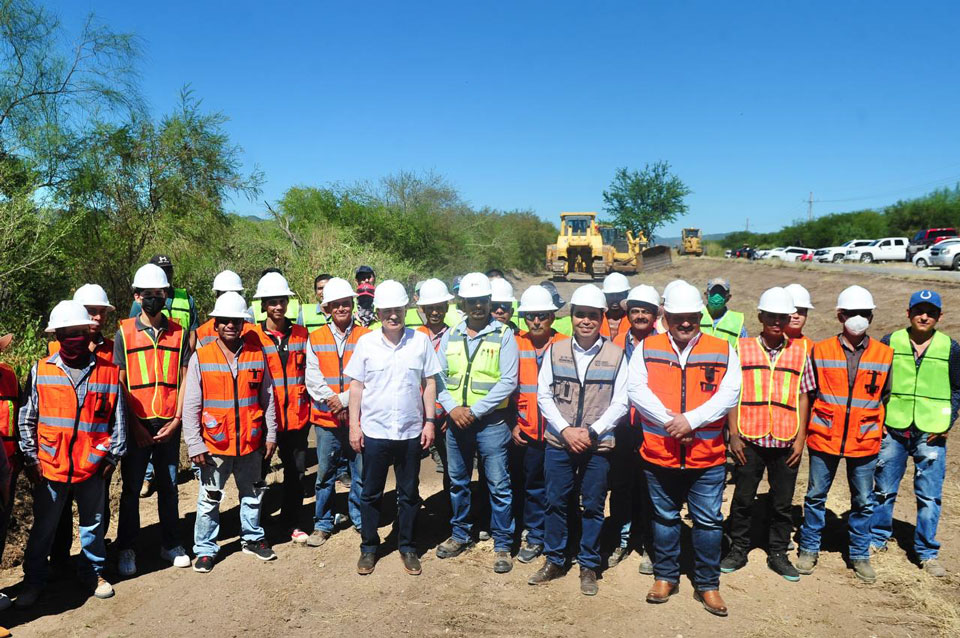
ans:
(656, 257)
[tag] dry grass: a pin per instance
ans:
(931, 605)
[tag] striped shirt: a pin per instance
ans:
(808, 383)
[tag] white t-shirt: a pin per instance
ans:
(391, 406)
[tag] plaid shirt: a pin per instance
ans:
(808, 383)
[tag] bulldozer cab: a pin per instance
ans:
(691, 233)
(577, 224)
(616, 238)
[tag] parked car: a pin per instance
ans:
(836, 253)
(927, 238)
(790, 253)
(886, 249)
(946, 255)
(728, 254)
(922, 258)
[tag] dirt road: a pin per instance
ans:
(317, 592)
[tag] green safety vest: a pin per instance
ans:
(920, 395)
(313, 318)
(412, 318)
(179, 309)
(563, 325)
(470, 379)
(452, 317)
(293, 310)
(729, 326)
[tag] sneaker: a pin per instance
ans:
(147, 489)
(864, 570)
(502, 562)
(451, 548)
(27, 597)
(5, 602)
(735, 559)
(617, 556)
(529, 552)
(806, 561)
(299, 536)
(780, 564)
(176, 555)
(260, 549)
(203, 564)
(317, 538)
(127, 563)
(483, 535)
(646, 564)
(933, 567)
(103, 590)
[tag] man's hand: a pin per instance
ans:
(517, 437)
(33, 474)
(678, 427)
(736, 447)
(106, 470)
(141, 434)
(933, 439)
(356, 438)
(201, 459)
(462, 417)
(269, 449)
(335, 404)
(796, 452)
(428, 435)
(577, 439)
(167, 431)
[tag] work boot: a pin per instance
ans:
(646, 564)
(127, 563)
(451, 548)
(317, 538)
(411, 563)
(147, 489)
(549, 571)
(617, 556)
(735, 559)
(864, 570)
(933, 567)
(806, 561)
(27, 597)
(661, 591)
(780, 564)
(588, 582)
(711, 601)
(529, 552)
(502, 562)
(368, 560)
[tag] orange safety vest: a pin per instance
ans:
(681, 390)
(153, 368)
(9, 400)
(605, 327)
(845, 420)
(232, 419)
(103, 350)
(72, 439)
(528, 413)
(289, 388)
(771, 389)
(207, 333)
(331, 367)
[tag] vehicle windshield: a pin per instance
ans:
(577, 225)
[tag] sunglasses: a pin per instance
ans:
(538, 316)
(583, 314)
(502, 307)
(234, 321)
(857, 313)
(340, 303)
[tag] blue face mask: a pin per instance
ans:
(716, 301)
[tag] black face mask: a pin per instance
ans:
(152, 305)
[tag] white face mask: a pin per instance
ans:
(856, 325)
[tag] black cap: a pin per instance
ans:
(161, 260)
(364, 270)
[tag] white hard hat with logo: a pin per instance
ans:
(150, 276)
(92, 295)
(227, 280)
(69, 314)
(432, 292)
(615, 282)
(682, 298)
(644, 294)
(801, 296)
(230, 305)
(855, 298)
(473, 285)
(273, 284)
(337, 288)
(389, 294)
(589, 296)
(536, 299)
(777, 301)
(501, 291)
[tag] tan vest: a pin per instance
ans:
(581, 404)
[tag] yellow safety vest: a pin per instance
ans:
(920, 395)
(470, 378)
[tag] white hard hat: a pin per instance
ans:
(227, 280)
(69, 314)
(501, 291)
(150, 276)
(589, 296)
(92, 295)
(801, 296)
(475, 284)
(777, 300)
(536, 299)
(273, 284)
(645, 294)
(433, 291)
(855, 298)
(230, 305)
(615, 282)
(337, 288)
(390, 294)
(670, 286)
(682, 298)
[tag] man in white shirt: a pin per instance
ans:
(581, 393)
(393, 387)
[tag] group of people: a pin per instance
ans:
(640, 394)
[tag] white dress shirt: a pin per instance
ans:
(652, 409)
(317, 387)
(582, 358)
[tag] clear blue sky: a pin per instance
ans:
(535, 104)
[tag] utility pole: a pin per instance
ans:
(748, 224)
(810, 208)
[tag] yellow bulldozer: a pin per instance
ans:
(691, 242)
(587, 247)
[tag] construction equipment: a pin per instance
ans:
(691, 242)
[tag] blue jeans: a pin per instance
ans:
(491, 442)
(703, 492)
(133, 467)
(529, 490)
(248, 475)
(563, 470)
(379, 455)
(49, 498)
(333, 445)
(930, 466)
(823, 468)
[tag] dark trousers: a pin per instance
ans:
(292, 450)
(529, 490)
(378, 456)
(6, 511)
(629, 497)
(747, 478)
(562, 469)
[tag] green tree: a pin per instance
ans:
(643, 201)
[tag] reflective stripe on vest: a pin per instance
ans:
(528, 370)
(289, 390)
(771, 390)
(920, 395)
(179, 309)
(470, 378)
(153, 368)
(729, 327)
(331, 364)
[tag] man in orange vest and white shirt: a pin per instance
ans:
(285, 344)
(683, 383)
(328, 353)
(72, 434)
(846, 422)
(229, 427)
(767, 431)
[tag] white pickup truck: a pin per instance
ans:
(885, 249)
(836, 253)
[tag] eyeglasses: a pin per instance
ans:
(585, 314)
(538, 316)
(502, 307)
(235, 321)
(339, 303)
